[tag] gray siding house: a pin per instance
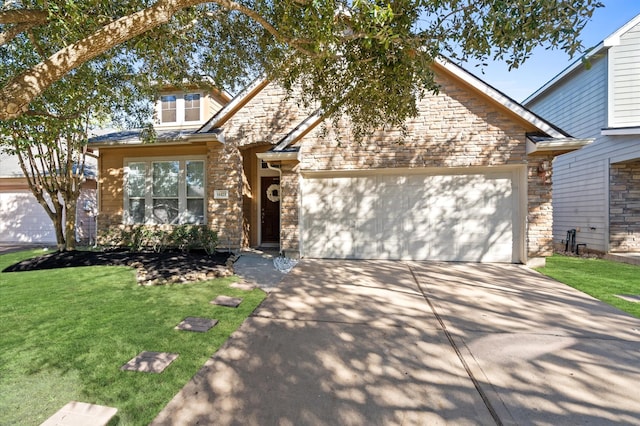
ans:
(596, 190)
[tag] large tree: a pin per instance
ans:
(50, 139)
(364, 58)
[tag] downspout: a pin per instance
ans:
(279, 170)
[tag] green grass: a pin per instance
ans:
(65, 333)
(600, 278)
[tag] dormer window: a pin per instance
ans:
(169, 104)
(180, 109)
(192, 107)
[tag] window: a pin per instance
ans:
(160, 191)
(192, 107)
(169, 109)
(180, 108)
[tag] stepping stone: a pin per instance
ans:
(80, 413)
(200, 325)
(629, 297)
(243, 286)
(150, 362)
(231, 302)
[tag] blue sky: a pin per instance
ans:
(546, 64)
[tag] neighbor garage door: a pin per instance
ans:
(454, 217)
(23, 219)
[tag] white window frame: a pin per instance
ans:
(182, 187)
(180, 109)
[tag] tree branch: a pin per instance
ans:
(19, 92)
(23, 16)
(13, 32)
(16, 95)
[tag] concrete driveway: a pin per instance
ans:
(361, 342)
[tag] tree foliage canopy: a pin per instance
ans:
(367, 59)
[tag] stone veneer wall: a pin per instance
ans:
(267, 118)
(540, 214)
(456, 128)
(290, 201)
(225, 173)
(624, 207)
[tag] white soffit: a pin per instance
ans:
(539, 145)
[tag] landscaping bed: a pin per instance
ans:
(151, 267)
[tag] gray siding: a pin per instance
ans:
(624, 65)
(581, 188)
(578, 105)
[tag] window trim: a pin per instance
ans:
(180, 108)
(149, 197)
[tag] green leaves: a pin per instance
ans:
(366, 59)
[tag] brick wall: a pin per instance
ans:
(455, 128)
(540, 212)
(624, 209)
(225, 173)
(290, 199)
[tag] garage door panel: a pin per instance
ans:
(23, 219)
(416, 216)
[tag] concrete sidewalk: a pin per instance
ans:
(358, 342)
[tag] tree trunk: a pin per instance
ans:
(70, 223)
(59, 229)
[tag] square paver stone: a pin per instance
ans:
(629, 297)
(232, 302)
(200, 325)
(80, 413)
(150, 362)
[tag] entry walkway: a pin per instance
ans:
(359, 342)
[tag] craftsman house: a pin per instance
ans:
(597, 189)
(470, 181)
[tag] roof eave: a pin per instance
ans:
(556, 146)
(235, 104)
(270, 156)
(300, 131)
(500, 98)
(180, 140)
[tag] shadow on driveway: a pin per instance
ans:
(356, 342)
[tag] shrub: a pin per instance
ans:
(159, 238)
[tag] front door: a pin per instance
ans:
(270, 209)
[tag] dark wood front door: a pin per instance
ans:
(270, 209)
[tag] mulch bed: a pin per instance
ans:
(152, 268)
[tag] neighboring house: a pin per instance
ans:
(23, 220)
(470, 180)
(596, 190)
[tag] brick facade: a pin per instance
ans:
(624, 209)
(540, 211)
(456, 128)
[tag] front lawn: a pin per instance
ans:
(65, 333)
(600, 278)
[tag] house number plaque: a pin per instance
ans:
(220, 194)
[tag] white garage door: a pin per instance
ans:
(23, 219)
(456, 217)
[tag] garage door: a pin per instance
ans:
(22, 219)
(455, 217)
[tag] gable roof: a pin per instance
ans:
(234, 105)
(556, 140)
(502, 99)
(600, 48)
